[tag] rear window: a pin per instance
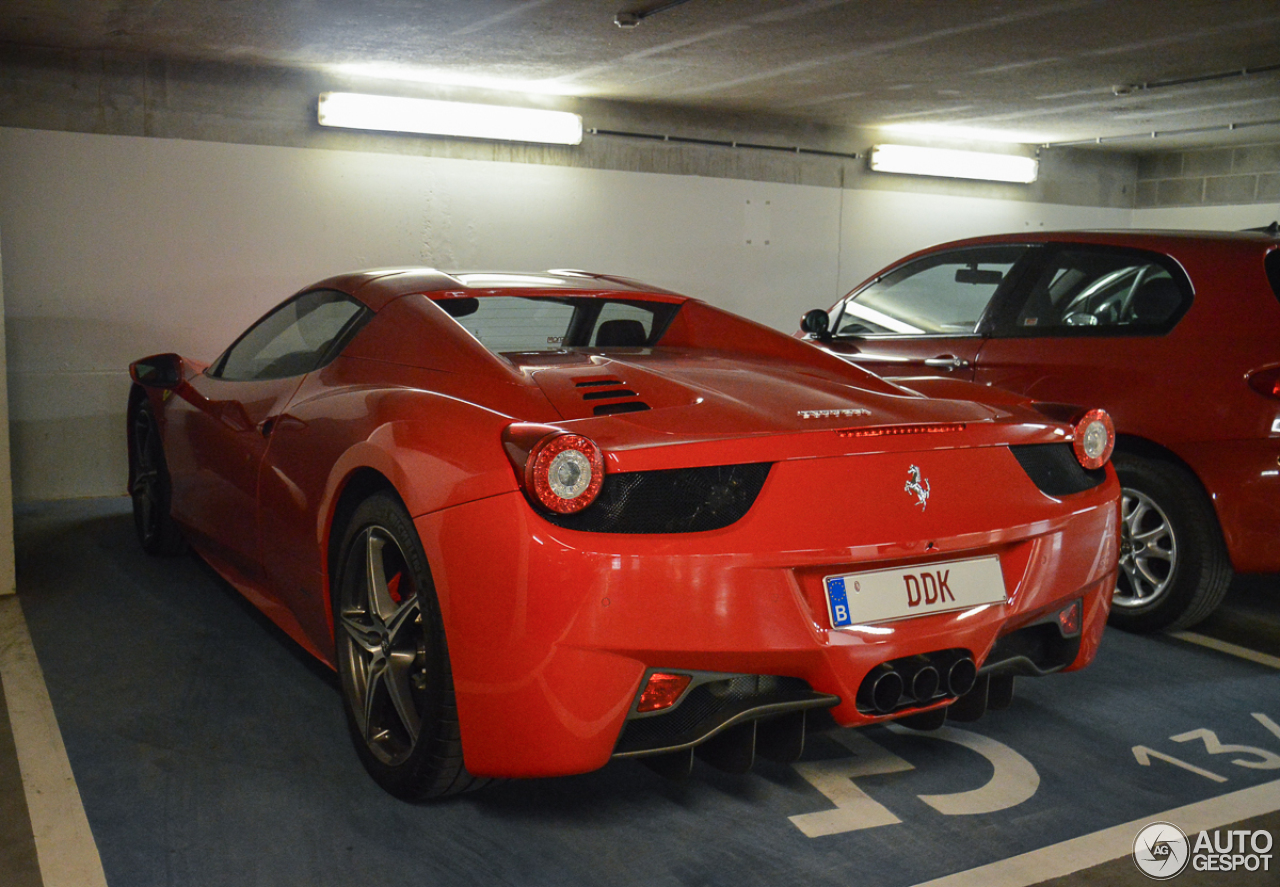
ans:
(521, 324)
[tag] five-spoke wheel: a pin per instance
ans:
(393, 662)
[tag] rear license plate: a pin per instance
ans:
(904, 592)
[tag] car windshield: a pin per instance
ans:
(545, 323)
(942, 294)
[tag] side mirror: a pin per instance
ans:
(157, 371)
(816, 323)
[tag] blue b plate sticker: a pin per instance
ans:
(919, 590)
(838, 603)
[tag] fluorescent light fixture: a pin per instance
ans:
(944, 162)
(352, 110)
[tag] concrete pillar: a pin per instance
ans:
(8, 582)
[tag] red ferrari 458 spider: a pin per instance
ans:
(540, 521)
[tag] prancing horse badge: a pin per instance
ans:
(920, 488)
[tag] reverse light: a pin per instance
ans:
(662, 691)
(1094, 439)
(564, 472)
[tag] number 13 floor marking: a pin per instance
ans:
(1015, 780)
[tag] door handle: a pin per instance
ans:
(946, 362)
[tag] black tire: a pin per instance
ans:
(158, 533)
(1174, 568)
(393, 662)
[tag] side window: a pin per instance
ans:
(941, 294)
(1092, 290)
(296, 338)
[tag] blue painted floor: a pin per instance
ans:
(210, 750)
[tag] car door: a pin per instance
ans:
(928, 316)
(1089, 328)
(220, 425)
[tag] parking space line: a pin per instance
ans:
(1116, 842)
(65, 848)
(1228, 648)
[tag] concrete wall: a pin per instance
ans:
(8, 584)
(1245, 175)
(112, 93)
(116, 247)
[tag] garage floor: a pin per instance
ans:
(209, 750)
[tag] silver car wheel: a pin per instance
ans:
(1148, 551)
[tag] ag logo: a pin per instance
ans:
(1161, 851)
(920, 488)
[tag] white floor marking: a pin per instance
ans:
(1015, 780)
(1087, 851)
(1225, 647)
(65, 847)
(835, 779)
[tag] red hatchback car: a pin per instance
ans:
(1175, 334)
(539, 521)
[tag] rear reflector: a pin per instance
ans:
(662, 691)
(1069, 620)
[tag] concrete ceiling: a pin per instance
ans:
(1197, 72)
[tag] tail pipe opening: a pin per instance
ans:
(916, 681)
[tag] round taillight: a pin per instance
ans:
(1095, 438)
(1265, 382)
(564, 472)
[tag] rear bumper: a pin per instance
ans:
(552, 631)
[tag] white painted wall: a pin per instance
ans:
(882, 226)
(1209, 218)
(116, 247)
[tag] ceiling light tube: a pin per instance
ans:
(351, 110)
(946, 163)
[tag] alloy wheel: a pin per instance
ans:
(147, 476)
(1148, 551)
(384, 646)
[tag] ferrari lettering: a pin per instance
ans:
(928, 588)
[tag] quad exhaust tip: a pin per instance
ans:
(917, 681)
